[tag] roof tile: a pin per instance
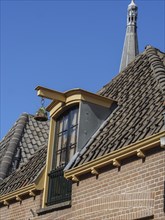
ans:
(29, 141)
(139, 90)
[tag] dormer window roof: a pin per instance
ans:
(72, 96)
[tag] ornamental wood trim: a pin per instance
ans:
(17, 193)
(27, 190)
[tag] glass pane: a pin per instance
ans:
(59, 142)
(74, 114)
(73, 132)
(60, 126)
(72, 151)
(58, 160)
(63, 157)
(64, 139)
(65, 123)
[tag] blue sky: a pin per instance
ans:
(66, 44)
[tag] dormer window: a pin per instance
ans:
(75, 116)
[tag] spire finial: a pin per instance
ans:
(132, 3)
(130, 49)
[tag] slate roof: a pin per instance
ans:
(140, 92)
(22, 141)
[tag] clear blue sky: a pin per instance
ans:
(66, 44)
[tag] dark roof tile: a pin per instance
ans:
(26, 174)
(23, 136)
(140, 92)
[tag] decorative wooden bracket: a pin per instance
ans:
(50, 94)
(75, 179)
(18, 198)
(140, 154)
(31, 193)
(116, 163)
(5, 202)
(94, 171)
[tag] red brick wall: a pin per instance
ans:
(134, 192)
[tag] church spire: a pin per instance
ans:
(130, 49)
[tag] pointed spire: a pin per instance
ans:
(130, 49)
(132, 2)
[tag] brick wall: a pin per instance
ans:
(21, 211)
(133, 192)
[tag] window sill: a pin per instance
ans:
(55, 207)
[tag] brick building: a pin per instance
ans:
(100, 156)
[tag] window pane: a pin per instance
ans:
(74, 115)
(60, 126)
(72, 151)
(73, 132)
(65, 123)
(58, 160)
(59, 142)
(63, 157)
(64, 139)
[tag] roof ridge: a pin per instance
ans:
(157, 67)
(7, 159)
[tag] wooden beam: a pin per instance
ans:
(50, 94)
